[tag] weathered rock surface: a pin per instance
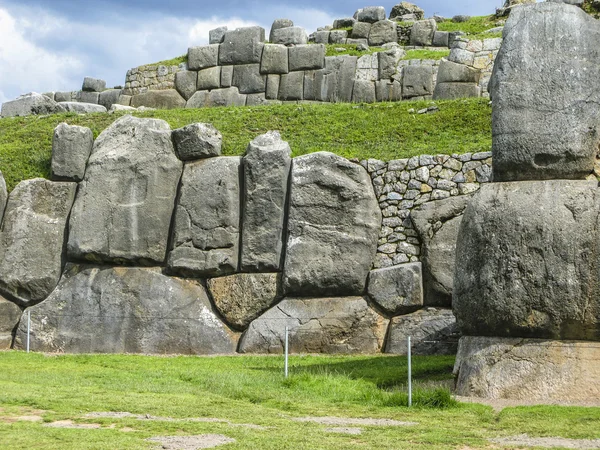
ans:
(32, 239)
(3, 196)
(438, 223)
(125, 203)
(10, 314)
(28, 104)
(422, 32)
(87, 97)
(126, 310)
(544, 120)
(109, 97)
(93, 84)
(417, 81)
(279, 23)
(334, 222)
(196, 141)
(71, 148)
(266, 167)
(289, 36)
(167, 99)
(307, 57)
(248, 79)
(242, 46)
(526, 261)
(432, 331)
(83, 108)
(320, 325)
(527, 369)
(206, 230)
(449, 91)
(185, 83)
(383, 32)
(242, 297)
(274, 59)
(209, 78)
(397, 290)
(404, 8)
(370, 14)
(217, 35)
(203, 56)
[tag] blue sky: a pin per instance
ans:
(50, 45)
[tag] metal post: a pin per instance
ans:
(409, 374)
(28, 328)
(287, 330)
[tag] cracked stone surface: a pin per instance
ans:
(207, 219)
(126, 310)
(527, 259)
(544, 120)
(10, 314)
(323, 325)
(528, 369)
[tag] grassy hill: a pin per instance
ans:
(383, 130)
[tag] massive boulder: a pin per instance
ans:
(333, 227)
(10, 314)
(196, 141)
(320, 325)
(3, 196)
(28, 104)
(242, 297)
(266, 167)
(71, 148)
(423, 32)
(438, 223)
(397, 290)
(432, 331)
(32, 239)
(207, 219)
(125, 203)
(242, 46)
(166, 99)
(546, 94)
(83, 108)
(126, 310)
(526, 261)
(404, 8)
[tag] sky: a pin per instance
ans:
(51, 45)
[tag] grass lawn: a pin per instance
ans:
(248, 399)
(382, 130)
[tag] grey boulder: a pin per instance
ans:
(451, 72)
(289, 36)
(166, 99)
(371, 14)
(404, 8)
(383, 32)
(278, 24)
(32, 103)
(307, 57)
(83, 108)
(319, 325)
(109, 97)
(274, 59)
(93, 84)
(203, 56)
(242, 297)
(126, 310)
(32, 239)
(10, 314)
(242, 46)
(423, 32)
(398, 289)
(449, 91)
(248, 79)
(266, 168)
(125, 202)
(333, 226)
(417, 81)
(525, 261)
(438, 223)
(207, 219)
(217, 35)
(197, 140)
(71, 148)
(432, 331)
(185, 83)
(544, 121)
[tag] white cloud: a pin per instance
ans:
(198, 34)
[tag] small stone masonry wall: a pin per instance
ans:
(151, 77)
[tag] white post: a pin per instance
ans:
(287, 330)
(28, 328)
(409, 374)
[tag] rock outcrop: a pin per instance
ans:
(126, 310)
(32, 103)
(333, 224)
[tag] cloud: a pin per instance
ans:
(198, 34)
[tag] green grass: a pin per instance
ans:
(171, 62)
(349, 49)
(252, 390)
(426, 54)
(474, 26)
(383, 130)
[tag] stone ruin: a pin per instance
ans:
(527, 281)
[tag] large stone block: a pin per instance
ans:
(71, 148)
(242, 46)
(272, 92)
(209, 79)
(441, 39)
(445, 91)
(451, 72)
(217, 35)
(203, 57)
(125, 202)
(544, 120)
(432, 331)
(423, 32)
(32, 239)
(186, 82)
(291, 86)
(225, 97)
(126, 310)
(242, 297)
(279, 23)
(338, 78)
(196, 141)
(438, 223)
(371, 14)
(417, 81)
(319, 325)
(346, 22)
(383, 32)
(10, 314)
(87, 97)
(307, 57)
(361, 30)
(526, 263)
(333, 226)
(404, 8)
(527, 369)
(274, 59)
(28, 104)
(226, 76)
(248, 79)
(93, 84)
(387, 63)
(338, 36)
(83, 108)
(388, 91)
(364, 92)
(397, 290)
(266, 168)
(167, 99)
(321, 37)
(109, 97)
(289, 36)
(207, 219)
(69, 96)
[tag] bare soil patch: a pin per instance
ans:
(128, 415)
(524, 440)
(345, 421)
(344, 430)
(71, 424)
(191, 442)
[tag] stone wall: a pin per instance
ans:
(150, 77)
